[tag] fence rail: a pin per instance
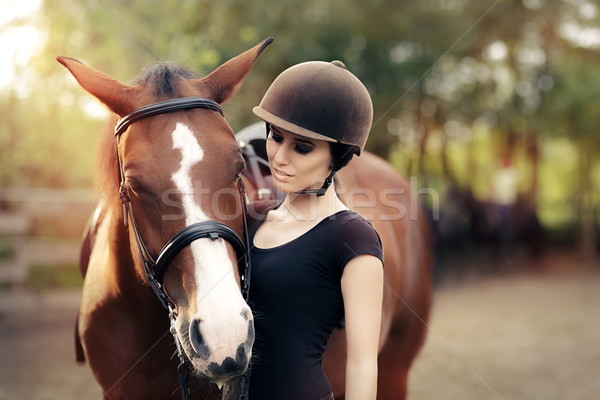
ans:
(40, 226)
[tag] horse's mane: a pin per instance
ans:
(163, 77)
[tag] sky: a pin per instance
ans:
(17, 44)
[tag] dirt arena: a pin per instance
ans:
(526, 334)
(522, 336)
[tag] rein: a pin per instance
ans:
(154, 269)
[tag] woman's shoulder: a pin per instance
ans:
(349, 227)
(351, 219)
(353, 235)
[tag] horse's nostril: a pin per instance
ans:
(197, 340)
(241, 356)
(246, 314)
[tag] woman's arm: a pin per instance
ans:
(362, 288)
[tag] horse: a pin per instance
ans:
(370, 186)
(169, 181)
(161, 177)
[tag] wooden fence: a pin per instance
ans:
(40, 226)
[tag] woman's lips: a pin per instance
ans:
(280, 175)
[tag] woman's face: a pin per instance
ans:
(297, 163)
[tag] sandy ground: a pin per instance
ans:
(530, 334)
(37, 348)
(522, 335)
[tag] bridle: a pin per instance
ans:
(154, 269)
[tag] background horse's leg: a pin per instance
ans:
(396, 358)
(409, 327)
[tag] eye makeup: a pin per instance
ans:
(301, 146)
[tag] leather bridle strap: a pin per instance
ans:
(205, 229)
(183, 103)
(155, 270)
(146, 259)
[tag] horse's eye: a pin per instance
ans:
(134, 185)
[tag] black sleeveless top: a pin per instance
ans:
(297, 302)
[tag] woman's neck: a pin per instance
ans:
(308, 207)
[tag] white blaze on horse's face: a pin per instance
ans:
(218, 337)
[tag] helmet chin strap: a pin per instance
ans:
(320, 192)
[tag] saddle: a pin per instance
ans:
(87, 244)
(252, 140)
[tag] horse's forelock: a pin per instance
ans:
(163, 77)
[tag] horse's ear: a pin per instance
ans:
(225, 80)
(115, 95)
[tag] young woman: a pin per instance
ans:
(315, 263)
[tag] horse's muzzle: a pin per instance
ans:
(231, 366)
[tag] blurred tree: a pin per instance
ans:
(575, 103)
(443, 75)
(572, 107)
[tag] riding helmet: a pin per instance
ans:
(319, 100)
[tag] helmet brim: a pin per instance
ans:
(288, 126)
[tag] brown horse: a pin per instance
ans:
(174, 166)
(372, 188)
(172, 169)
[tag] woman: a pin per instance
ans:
(314, 262)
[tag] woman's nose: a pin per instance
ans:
(281, 156)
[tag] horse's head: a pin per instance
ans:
(181, 168)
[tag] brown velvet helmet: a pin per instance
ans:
(319, 100)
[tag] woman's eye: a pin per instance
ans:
(299, 147)
(303, 149)
(276, 137)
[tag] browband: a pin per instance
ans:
(162, 107)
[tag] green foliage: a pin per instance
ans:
(441, 73)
